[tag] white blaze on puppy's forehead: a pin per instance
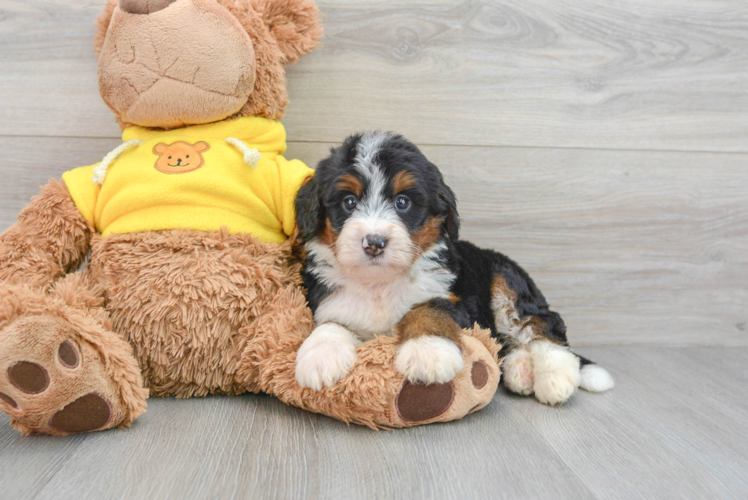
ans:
(374, 204)
(366, 152)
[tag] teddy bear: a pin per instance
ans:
(168, 268)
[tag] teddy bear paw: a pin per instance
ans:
(52, 382)
(466, 391)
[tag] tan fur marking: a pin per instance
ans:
(507, 318)
(403, 180)
(426, 320)
(350, 183)
(428, 234)
(502, 302)
(328, 236)
(539, 328)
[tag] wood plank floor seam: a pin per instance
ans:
(426, 144)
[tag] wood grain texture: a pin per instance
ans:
(670, 429)
(631, 247)
(256, 447)
(572, 73)
(575, 73)
(538, 112)
(48, 85)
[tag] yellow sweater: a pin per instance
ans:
(192, 178)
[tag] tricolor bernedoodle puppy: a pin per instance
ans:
(380, 229)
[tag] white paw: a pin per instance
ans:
(429, 360)
(518, 376)
(556, 372)
(596, 379)
(326, 356)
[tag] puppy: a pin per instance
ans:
(380, 230)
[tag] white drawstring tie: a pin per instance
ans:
(99, 171)
(251, 156)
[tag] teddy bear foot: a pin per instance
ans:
(469, 391)
(376, 394)
(52, 381)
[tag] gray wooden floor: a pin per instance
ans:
(601, 143)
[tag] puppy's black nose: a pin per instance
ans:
(374, 244)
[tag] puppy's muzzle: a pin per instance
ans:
(374, 244)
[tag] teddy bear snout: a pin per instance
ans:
(191, 62)
(144, 6)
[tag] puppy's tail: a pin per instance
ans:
(594, 378)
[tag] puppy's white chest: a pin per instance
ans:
(376, 309)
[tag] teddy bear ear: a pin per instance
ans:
(102, 24)
(160, 148)
(202, 146)
(295, 25)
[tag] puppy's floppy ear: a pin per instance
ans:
(309, 210)
(294, 24)
(452, 221)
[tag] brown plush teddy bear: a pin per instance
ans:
(190, 287)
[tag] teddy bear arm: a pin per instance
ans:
(375, 393)
(50, 238)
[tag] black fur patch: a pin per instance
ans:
(429, 196)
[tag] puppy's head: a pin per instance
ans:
(374, 206)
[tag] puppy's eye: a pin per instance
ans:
(402, 203)
(350, 202)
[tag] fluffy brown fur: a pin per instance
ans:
(185, 313)
(291, 33)
(49, 239)
(241, 293)
(72, 310)
(369, 394)
(192, 305)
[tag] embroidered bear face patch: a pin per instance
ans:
(179, 157)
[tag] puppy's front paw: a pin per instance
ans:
(556, 372)
(429, 360)
(325, 357)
